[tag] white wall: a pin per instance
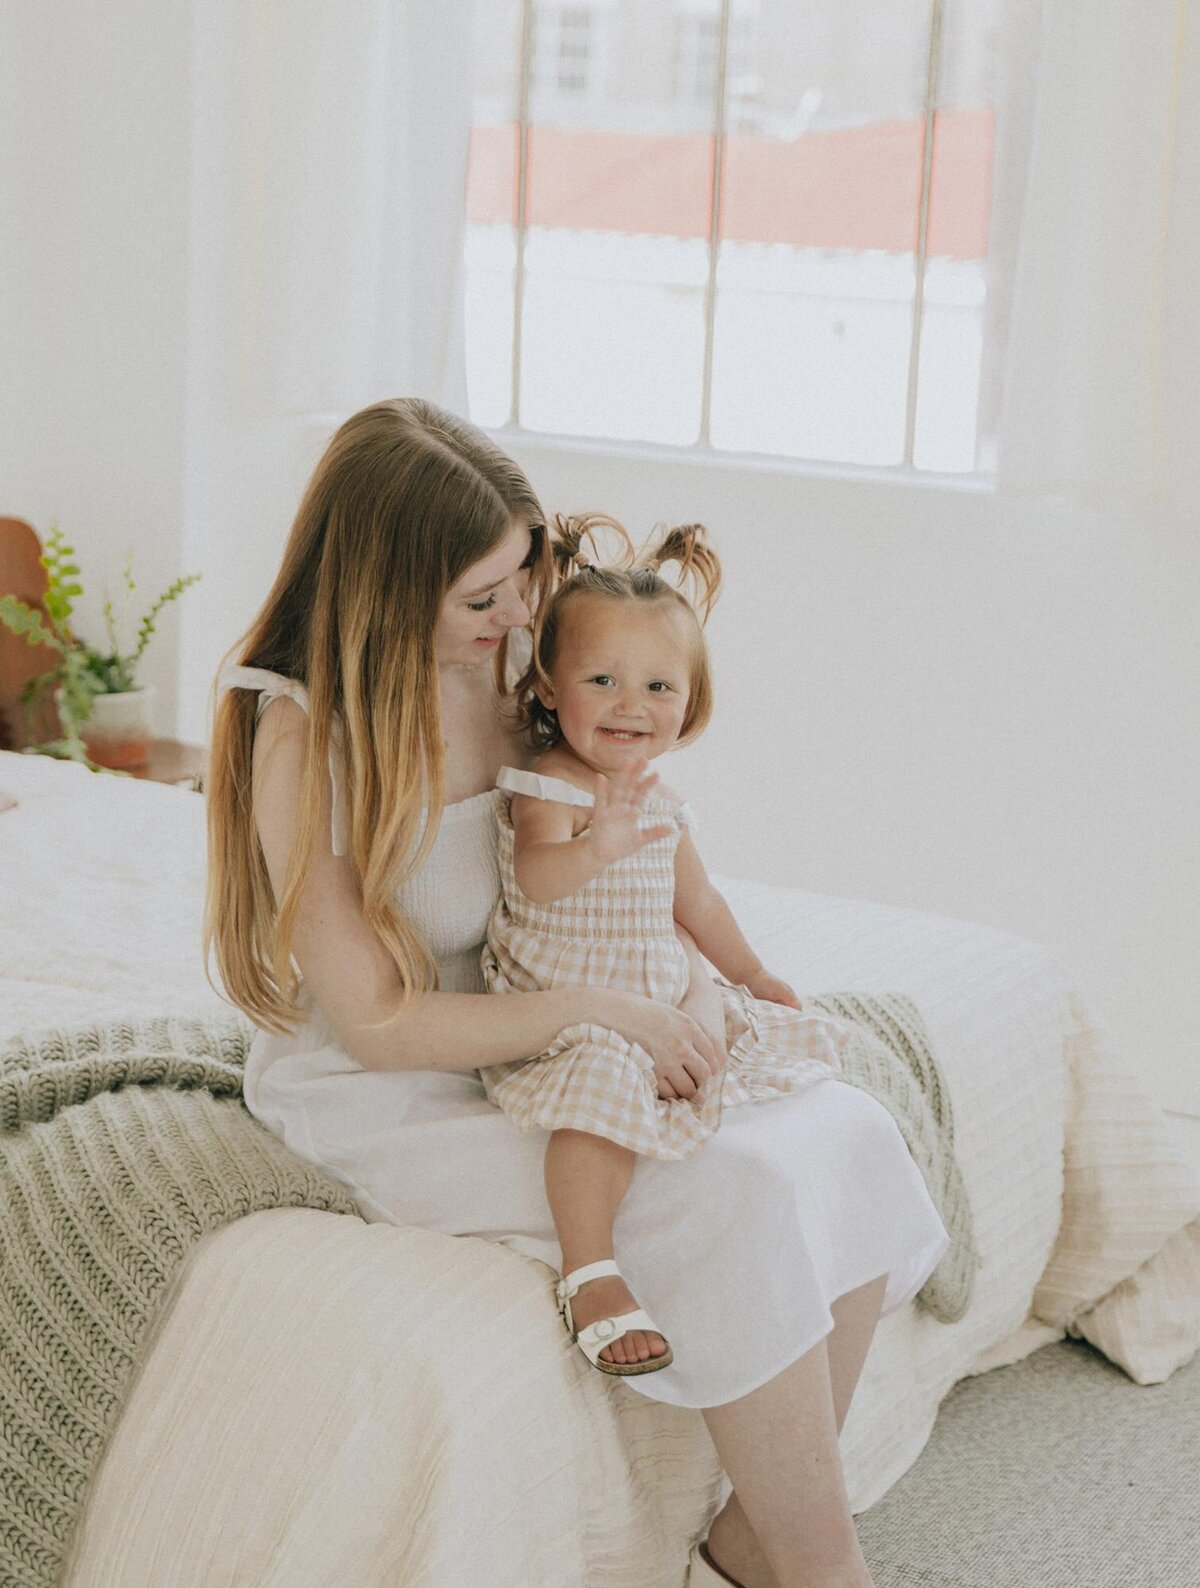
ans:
(934, 698)
(94, 172)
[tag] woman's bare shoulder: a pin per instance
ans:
(280, 753)
(279, 748)
(280, 718)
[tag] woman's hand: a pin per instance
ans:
(613, 832)
(771, 990)
(684, 1054)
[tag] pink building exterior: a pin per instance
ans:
(854, 188)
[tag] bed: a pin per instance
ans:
(325, 1401)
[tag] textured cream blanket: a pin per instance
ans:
(1125, 1270)
(120, 1147)
(326, 1401)
(122, 1144)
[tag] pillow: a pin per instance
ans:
(1150, 1323)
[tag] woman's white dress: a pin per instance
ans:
(736, 1251)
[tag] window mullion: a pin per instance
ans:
(932, 74)
(720, 99)
(523, 97)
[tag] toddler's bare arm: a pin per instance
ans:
(549, 861)
(702, 1000)
(705, 914)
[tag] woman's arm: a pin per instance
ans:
(354, 982)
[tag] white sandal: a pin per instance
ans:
(606, 1331)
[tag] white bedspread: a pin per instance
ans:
(327, 1402)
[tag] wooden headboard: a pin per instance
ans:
(21, 574)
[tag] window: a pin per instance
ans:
(698, 52)
(739, 226)
(568, 56)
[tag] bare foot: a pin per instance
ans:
(608, 1298)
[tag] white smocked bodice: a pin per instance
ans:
(450, 899)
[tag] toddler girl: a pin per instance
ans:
(597, 865)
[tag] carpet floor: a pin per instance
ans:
(1059, 1472)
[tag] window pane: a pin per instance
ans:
(618, 191)
(956, 295)
(816, 269)
(491, 248)
(816, 272)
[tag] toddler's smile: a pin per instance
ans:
(620, 680)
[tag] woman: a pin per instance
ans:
(353, 870)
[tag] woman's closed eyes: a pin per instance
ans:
(490, 601)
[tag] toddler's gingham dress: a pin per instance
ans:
(736, 1251)
(619, 931)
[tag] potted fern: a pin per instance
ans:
(103, 712)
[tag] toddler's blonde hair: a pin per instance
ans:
(632, 575)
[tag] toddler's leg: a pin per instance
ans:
(586, 1179)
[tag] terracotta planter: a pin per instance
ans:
(118, 732)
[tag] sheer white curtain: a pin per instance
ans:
(1104, 345)
(339, 137)
(329, 150)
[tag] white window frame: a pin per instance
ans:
(692, 22)
(702, 451)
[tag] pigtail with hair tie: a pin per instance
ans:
(699, 566)
(571, 531)
(564, 547)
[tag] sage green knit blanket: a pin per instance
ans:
(122, 1144)
(889, 1056)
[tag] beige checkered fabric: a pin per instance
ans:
(619, 931)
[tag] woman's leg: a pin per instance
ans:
(796, 1495)
(586, 1180)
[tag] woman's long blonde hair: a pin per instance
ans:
(405, 499)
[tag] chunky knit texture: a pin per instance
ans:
(891, 1058)
(122, 1146)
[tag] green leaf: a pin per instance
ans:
(84, 671)
(26, 621)
(61, 571)
(146, 627)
